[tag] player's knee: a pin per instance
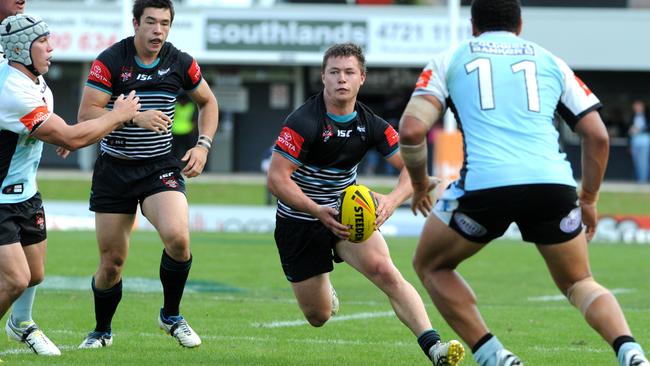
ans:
(15, 285)
(583, 293)
(177, 245)
(112, 268)
(36, 278)
(318, 318)
(386, 274)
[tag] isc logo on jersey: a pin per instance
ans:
(357, 210)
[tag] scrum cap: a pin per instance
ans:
(17, 34)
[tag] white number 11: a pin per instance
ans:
(486, 86)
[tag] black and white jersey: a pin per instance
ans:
(118, 70)
(328, 150)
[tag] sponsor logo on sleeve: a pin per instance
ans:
(194, 72)
(391, 136)
(99, 73)
(35, 117)
(423, 80)
(290, 142)
(583, 86)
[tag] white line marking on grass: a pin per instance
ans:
(571, 349)
(290, 300)
(615, 291)
(338, 318)
(331, 341)
(25, 350)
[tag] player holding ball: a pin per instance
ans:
(314, 160)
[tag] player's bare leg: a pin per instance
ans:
(372, 259)
(168, 212)
(14, 275)
(569, 266)
(437, 255)
(314, 296)
(113, 232)
(20, 326)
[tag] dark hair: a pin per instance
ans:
(140, 5)
(496, 15)
(345, 50)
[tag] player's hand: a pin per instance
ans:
(386, 205)
(62, 152)
(153, 120)
(589, 218)
(196, 158)
(126, 107)
(422, 199)
(327, 215)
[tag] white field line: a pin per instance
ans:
(333, 341)
(615, 291)
(297, 323)
(290, 300)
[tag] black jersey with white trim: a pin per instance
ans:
(118, 70)
(328, 152)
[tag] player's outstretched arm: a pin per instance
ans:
(286, 190)
(419, 116)
(197, 156)
(595, 153)
(55, 131)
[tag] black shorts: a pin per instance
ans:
(544, 213)
(306, 248)
(119, 185)
(23, 222)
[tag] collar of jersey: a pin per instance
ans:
(143, 65)
(497, 33)
(342, 119)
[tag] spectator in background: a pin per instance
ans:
(640, 141)
(184, 131)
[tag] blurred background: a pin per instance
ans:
(262, 58)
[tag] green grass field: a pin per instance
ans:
(245, 294)
(255, 194)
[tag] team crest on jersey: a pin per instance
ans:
(169, 180)
(163, 71)
(126, 73)
(328, 133)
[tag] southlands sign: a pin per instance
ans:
(281, 35)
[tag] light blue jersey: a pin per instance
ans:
(505, 92)
(24, 106)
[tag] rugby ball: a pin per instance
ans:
(357, 210)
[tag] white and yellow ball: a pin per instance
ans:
(357, 210)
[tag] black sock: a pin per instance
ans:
(618, 342)
(481, 342)
(427, 339)
(106, 302)
(173, 276)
